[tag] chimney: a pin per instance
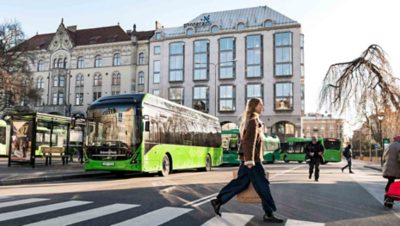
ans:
(72, 28)
(158, 25)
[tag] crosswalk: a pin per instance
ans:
(159, 216)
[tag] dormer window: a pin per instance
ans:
(214, 29)
(268, 23)
(158, 35)
(189, 31)
(241, 26)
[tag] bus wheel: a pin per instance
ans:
(285, 159)
(208, 164)
(165, 167)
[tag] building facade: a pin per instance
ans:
(219, 60)
(322, 125)
(72, 68)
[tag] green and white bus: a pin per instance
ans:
(3, 126)
(333, 150)
(272, 149)
(146, 133)
(230, 144)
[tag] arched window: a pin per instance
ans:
(117, 59)
(79, 63)
(116, 78)
(79, 80)
(241, 26)
(268, 23)
(214, 29)
(65, 63)
(39, 83)
(60, 63)
(97, 80)
(40, 65)
(55, 63)
(141, 58)
(141, 78)
(97, 61)
(189, 31)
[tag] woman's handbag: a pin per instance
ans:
(249, 195)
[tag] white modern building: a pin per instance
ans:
(219, 60)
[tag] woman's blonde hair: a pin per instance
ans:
(249, 113)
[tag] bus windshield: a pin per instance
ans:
(113, 126)
(332, 144)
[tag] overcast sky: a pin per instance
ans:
(335, 30)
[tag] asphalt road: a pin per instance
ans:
(183, 199)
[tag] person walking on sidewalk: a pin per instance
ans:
(391, 166)
(250, 169)
(315, 152)
(347, 153)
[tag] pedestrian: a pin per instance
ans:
(347, 153)
(250, 169)
(391, 166)
(315, 152)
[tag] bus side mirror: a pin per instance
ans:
(147, 126)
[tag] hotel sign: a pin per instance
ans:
(203, 22)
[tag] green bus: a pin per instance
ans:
(272, 150)
(333, 150)
(230, 145)
(3, 126)
(146, 133)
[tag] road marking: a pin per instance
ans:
(4, 197)
(168, 190)
(229, 219)
(291, 222)
(20, 202)
(200, 199)
(84, 215)
(40, 209)
(156, 217)
(286, 171)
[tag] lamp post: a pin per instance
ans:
(381, 116)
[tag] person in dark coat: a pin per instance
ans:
(250, 169)
(391, 166)
(315, 152)
(347, 153)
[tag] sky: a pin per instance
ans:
(335, 30)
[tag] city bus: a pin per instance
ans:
(333, 150)
(3, 126)
(230, 145)
(146, 133)
(272, 150)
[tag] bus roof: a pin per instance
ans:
(41, 116)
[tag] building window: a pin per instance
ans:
(58, 98)
(214, 29)
(65, 63)
(227, 98)
(241, 26)
(201, 60)
(156, 71)
(176, 53)
(302, 54)
(79, 63)
(254, 91)
(55, 63)
(156, 92)
(227, 54)
(40, 65)
(97, 61)
(283, 54)
(189, 31)
(268, 23)
(55, 81)
(116, 79)
(141, 58)
(61, 81)
(113, 93)
(254, 56)
(158, 35)
(97, 80)
(60, 63)
(141, 78)
(176, 95)
(58, 81)
(40, 83)
(284, 96)
(79, 80)
(96, 95)
(157, 50)
(79, 99)
(200, 98)
(117, 59)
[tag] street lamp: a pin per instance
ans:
(381, 116)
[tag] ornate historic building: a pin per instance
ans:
(322, 125)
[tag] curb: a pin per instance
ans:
(49, 178)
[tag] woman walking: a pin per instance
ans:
(250, 169)
(347, 153)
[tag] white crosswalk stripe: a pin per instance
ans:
(84, 215)
(156, 217)
(40, 209)
(229, 219)
(20, 202)
(4, 197)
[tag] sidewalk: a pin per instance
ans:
(25, 174)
